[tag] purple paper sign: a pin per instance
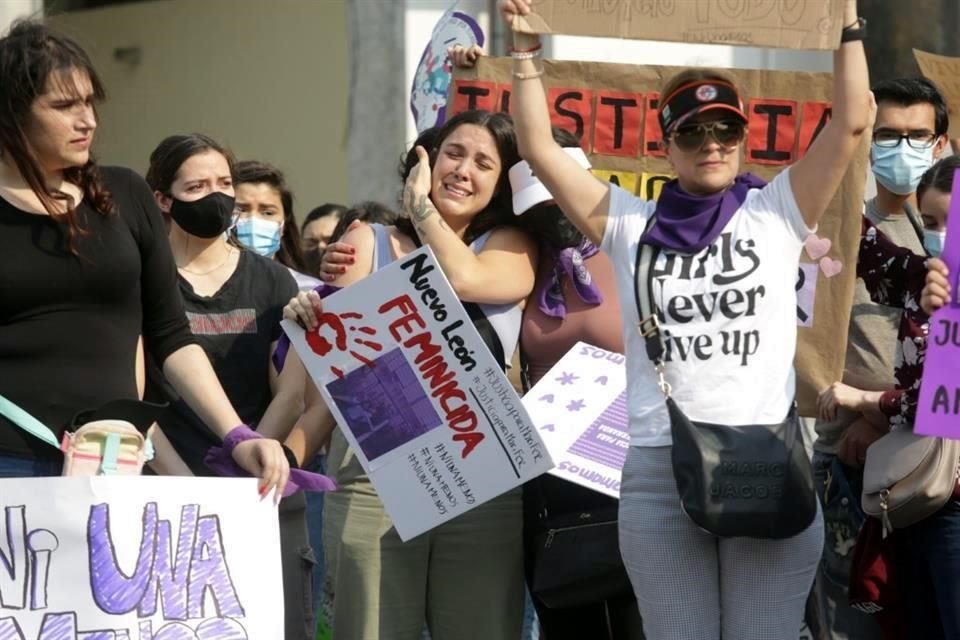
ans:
(607, 440)
(938, 411)
(428, 95)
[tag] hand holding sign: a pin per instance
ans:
(937, 291)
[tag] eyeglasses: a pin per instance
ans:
(692, 137)
(916, 139)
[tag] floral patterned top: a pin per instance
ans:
(895, 276)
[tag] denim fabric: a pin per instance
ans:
(839, 488)
(928, 555)
(23, 467)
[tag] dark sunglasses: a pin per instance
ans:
(692, 137)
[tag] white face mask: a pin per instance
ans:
(933, 241)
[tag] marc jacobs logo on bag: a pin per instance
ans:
(745, 491)
(773, 470)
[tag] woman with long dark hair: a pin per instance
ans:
(463, 579)
(86, 268)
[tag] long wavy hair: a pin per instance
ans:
(499, 211)
(31, 58)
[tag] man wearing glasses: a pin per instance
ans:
(909, 135)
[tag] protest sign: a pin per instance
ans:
(422, 402)
(580, 409)
(138, 558)
(943, 71)
(938, 409)
(787, 24)
(431, 81)
(612, 108)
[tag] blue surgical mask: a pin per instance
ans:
(933, 241)
(261, 236)
(900, 168)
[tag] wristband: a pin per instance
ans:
(528, 76)
(525, 55)
(854, 32)
(514, 50)
(240, 433)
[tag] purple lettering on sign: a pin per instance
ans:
(200, 566)
(938, 410)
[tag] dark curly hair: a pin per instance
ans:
(500, 209)
(32, 57)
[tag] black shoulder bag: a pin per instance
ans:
(576, 553)
(749, 481)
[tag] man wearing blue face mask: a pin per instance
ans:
(909, 135)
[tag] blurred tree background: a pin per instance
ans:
(896, 27)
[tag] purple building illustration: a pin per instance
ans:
(384, 405)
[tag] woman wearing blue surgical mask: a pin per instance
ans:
(933, 199)
(265, 222)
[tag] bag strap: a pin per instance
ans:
(649, 324)
(27, 422)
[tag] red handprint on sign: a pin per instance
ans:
(332, 322)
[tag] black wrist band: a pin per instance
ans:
(855, 31)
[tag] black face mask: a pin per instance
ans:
(207, 217)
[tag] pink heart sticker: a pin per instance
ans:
(830, 267)
(816, 246)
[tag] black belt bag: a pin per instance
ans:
(750, 481)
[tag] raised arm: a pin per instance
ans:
(583, 198)
(816, 177)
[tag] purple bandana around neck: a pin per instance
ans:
(570, 261)
(687, 223)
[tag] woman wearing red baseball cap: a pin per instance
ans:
(726, 255)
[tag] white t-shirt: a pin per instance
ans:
(728, 314)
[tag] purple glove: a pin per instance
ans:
(220, 460)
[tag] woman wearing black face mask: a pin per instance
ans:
(86, 268)
(234, 300)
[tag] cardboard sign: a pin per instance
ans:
(938, 409)
(138, 558)
(428, 94)
(785, 24)
(426, 408)
(943, 71)
(787, 111)
(580, 409)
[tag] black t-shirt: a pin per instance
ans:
(69, 324)
(236, 327)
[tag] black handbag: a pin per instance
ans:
(576, 555)
(577, 560)
(750, 481)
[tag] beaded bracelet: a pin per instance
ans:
(528, 76)
(526, 55)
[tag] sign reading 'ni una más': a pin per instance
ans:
(138, 558)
